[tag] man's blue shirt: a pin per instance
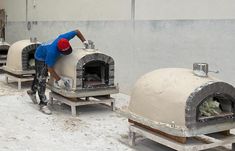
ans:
(49, 51)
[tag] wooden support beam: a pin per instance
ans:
(182, 140)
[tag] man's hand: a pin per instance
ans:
(62, 83)
(86, 44)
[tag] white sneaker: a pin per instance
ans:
(44, 109)
(32, 96)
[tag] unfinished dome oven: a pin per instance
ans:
(178, 102)
(91, 73)
(20, 57)
(3, 53)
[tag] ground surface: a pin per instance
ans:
(97, 128)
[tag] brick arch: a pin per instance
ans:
(25, 54)
(94, 57)
(201, 93)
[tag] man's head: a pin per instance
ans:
(64, 46)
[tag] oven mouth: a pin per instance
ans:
(3, 51)
(95, 71)
(95, 74)
(28, 61)
(31, 60)
(3, 54)
(215, 107)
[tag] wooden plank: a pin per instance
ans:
(175, 138)
(226, 133)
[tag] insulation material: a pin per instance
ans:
(210, 108)
(32, 62)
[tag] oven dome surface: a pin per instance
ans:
(168, 99)
(16, 53)
(67, 66)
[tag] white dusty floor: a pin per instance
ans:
(97, 128)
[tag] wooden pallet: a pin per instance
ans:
(18, 78)
(74, 102)
(197, 143)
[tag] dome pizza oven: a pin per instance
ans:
(3, 53)
(182, 102)
(90, 72)
(20, 57)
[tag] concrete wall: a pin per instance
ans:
(16, 10)
(105, 10)
(1, 4)
(150, 44)
(155, 40)
(73, 10)
(184, 9)
(64, 10)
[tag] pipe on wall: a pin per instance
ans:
(132, 9)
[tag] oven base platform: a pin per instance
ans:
(176, 130)
(85, 92)
(18, 78)
(18, 72)
(196, 143)
(74, 102)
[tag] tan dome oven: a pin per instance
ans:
(20, 65)
(181, 103)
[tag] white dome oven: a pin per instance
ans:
(20, 58)
(91, 73)
(20, 64)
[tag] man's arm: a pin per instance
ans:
(60, 82)
(53, 74)
(80, 36)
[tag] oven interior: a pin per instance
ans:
(28, 60)
(3, 52)
(95, 74)
(215, 107)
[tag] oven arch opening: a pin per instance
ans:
(3, 56)
(3, 52)
(31, 60)
(28, 61)
(215, 107)
(95, 74)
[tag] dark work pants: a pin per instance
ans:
(39, 82)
